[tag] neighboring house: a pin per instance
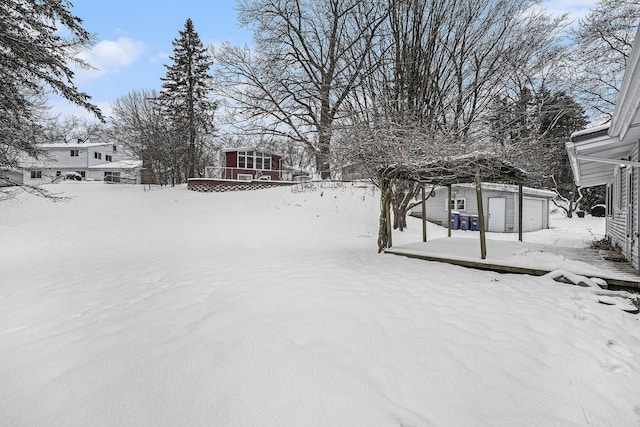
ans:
(609, 155)
(247, 164)
(500, 205)
(91, 161)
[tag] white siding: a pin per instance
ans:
(617, 219)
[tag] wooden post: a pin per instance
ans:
(389, 226)
(424, 215)
(483, 242)
(520, 205)
(449, 210)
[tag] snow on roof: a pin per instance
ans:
(529, 191)
(121, 164)
(262, 150)
(590, 131)
(74, 145)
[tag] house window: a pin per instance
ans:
(115, 149)
(58, 173)
(97, 155)
(82, 173)
(254, 160)
(108, 158)
(112, 176)
(75, 153)
(36, 174)
(457, 204)
(609, 203)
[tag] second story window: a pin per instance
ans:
(97, 155)
(74, 153)
(108, 158)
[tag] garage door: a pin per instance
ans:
(532, 214)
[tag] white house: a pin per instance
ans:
(500, 206)
(609, 155)
(93, 161)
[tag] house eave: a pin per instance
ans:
(593, 161)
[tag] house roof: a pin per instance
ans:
(262, 150)
(508, 188)
(595, 152)
(73, 145)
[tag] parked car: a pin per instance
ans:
(73, 176)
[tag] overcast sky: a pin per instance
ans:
(134, 40)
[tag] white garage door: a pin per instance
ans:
(533, 214)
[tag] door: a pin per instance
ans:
(497, 214)
(532, 214)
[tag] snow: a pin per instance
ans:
(167, 307)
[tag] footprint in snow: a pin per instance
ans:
(621, 350)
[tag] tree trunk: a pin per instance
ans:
(385, 207)
(402, 194)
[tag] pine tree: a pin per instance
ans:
(34, 55)
(185, 96)
(534, 132)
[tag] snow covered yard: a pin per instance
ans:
(169, 307)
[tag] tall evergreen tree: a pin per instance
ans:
(534, 128)
(185, 95)
(38, 40)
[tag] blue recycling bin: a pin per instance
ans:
(455, 221)
(474, 223)
(464, 222)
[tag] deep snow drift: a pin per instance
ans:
(169, 307)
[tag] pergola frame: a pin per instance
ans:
(472, 168)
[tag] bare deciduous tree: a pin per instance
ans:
(442, 65)
(308, 57)
(602, 46)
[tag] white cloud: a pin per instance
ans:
(116, 54)
(110, 56)
(575, 9)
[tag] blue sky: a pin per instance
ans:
(134, 40)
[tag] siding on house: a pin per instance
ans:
(89, 159)
(231, 170)
(623, 218)
(635, 211)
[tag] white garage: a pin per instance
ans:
(500, 205)
(534, 213)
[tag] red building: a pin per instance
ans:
(247, 164)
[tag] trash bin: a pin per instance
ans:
(464, 222)
(580, 214)
(474, 223)
(455, 221)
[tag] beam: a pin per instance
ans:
(608, 161)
